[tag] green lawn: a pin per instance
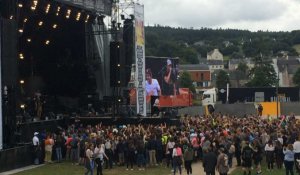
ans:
(68, 168)
(239, 171)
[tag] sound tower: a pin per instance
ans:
(117, 64)
(9, 70)
(129, 47)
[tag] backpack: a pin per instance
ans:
(179, 151)
(247, 154)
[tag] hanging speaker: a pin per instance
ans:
(117, 64)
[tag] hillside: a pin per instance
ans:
(191, 44)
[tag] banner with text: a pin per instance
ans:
(140, 59)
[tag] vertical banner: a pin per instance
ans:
(140, 59)
(1, 114)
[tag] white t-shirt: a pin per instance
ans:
(152, 88)
(35, 141)
(296, 146)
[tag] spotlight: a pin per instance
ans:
(25, 20)
(21, 31)
(28, 40)
(48, 8)
(40, 23)
(20, 5)
(68, 13)
(57, 10)
(22, 81)
(119, 82)
(87, 18)
(22, 106)
(78, 16)
(119, 65)
(21, 56)
(54, 26)
(47, 42)
(11, 17)
(34, 4)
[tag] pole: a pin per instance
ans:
(1, 114)
(227, 93)
(277, 100)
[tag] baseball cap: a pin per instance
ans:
(169, 62)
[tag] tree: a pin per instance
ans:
(222, 79)
(296, 78)
(262, 75)
(185, 81)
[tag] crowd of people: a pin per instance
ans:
(215, 140)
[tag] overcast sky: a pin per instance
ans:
(272, 15)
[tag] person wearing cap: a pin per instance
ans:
(36, 147)
(169, 81)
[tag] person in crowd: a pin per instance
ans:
(49, 142)
(177, 159)
(169, 151)
(269, 150)
(247, 155)
(279, 156)
(58, 142)
(222, 162)
(289, 159)
(99, 154)
(68, 146)
(188, 158)
(89, 161)
(74, 149)
(257, 155)
(209, 161)
(36, 148)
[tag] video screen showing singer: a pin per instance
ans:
(169, 83)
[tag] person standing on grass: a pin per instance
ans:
(269, 149)
(257, 155)
(177, 158)
(99, 153)
(247, 154)
(279, 156)
(209, 161)
(188, 158)
(289, 159)
(222, 162)
(89, 162)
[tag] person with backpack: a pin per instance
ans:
(222, 162)
(177, 158)
(247, 153)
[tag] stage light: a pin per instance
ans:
(54, 26)
(21, 31)
(87, 18)
(22, 106)
(68, 13)
(48, 8)
(119, 65)
(47, 42)
(20, 5)
(34, 4)
(119, 82)
(28, 40)
(40, 23)
(11, 17)
(57, 10)
(21, 56)
(25, 20)
(78, 16)
(22, 81)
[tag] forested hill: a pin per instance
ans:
(192, 44)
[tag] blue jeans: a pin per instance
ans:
(58, 154)
(141, 160)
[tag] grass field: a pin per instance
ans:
(69, 169)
